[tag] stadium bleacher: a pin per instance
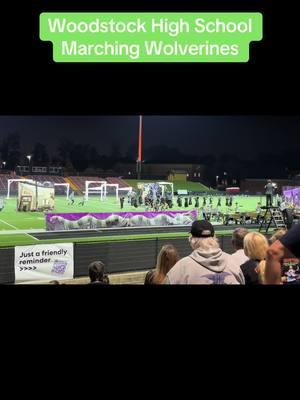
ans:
(3, 182)
(79, 181)
(40, 178)
(46, 178)
(118, 181)
(76, 182)
(50, 178)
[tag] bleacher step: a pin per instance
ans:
(125, 278)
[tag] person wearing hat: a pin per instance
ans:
(207, 264)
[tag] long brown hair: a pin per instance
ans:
(166, 259)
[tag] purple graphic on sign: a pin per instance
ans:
(70, 221)
(59, 267)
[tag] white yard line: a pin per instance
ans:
(12, 226)
(25, 233)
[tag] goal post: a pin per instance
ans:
(66, 185)
(101, 188)
(114, 186)
(165, 185)
(127, 189)
(10, 181)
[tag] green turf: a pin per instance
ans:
(12, 220)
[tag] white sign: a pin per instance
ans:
(44, 262)
(182, 192)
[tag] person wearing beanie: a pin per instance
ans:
(207, 264)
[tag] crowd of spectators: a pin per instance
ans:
(255, 259)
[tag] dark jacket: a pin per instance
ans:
(250, 274)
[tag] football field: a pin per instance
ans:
(16, 227)
(10, 219)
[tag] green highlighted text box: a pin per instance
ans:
(151, 37)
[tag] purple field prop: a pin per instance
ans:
(292, 196)
(70, 221)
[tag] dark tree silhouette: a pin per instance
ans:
(10, 150)
(64, 150)
(79, 157)
(40, 154)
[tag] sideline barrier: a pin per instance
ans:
(71, 221)
(123, 256)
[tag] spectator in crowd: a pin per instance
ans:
(288, 246)
(290, 268)
(255, 247)
(277, 235)
(166, 259)
(97, 273)
(207, 264)
(237, 241)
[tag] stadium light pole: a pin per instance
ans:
(139, 159)
(225, 178)
(29, 159)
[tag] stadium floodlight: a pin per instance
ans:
(140, 145)
(4, 163)
(29, 157)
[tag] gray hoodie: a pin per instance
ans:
(206, 267)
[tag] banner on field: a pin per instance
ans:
(69, 221)
(44, 262)
(292, 196)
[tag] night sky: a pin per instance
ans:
(198, 135)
